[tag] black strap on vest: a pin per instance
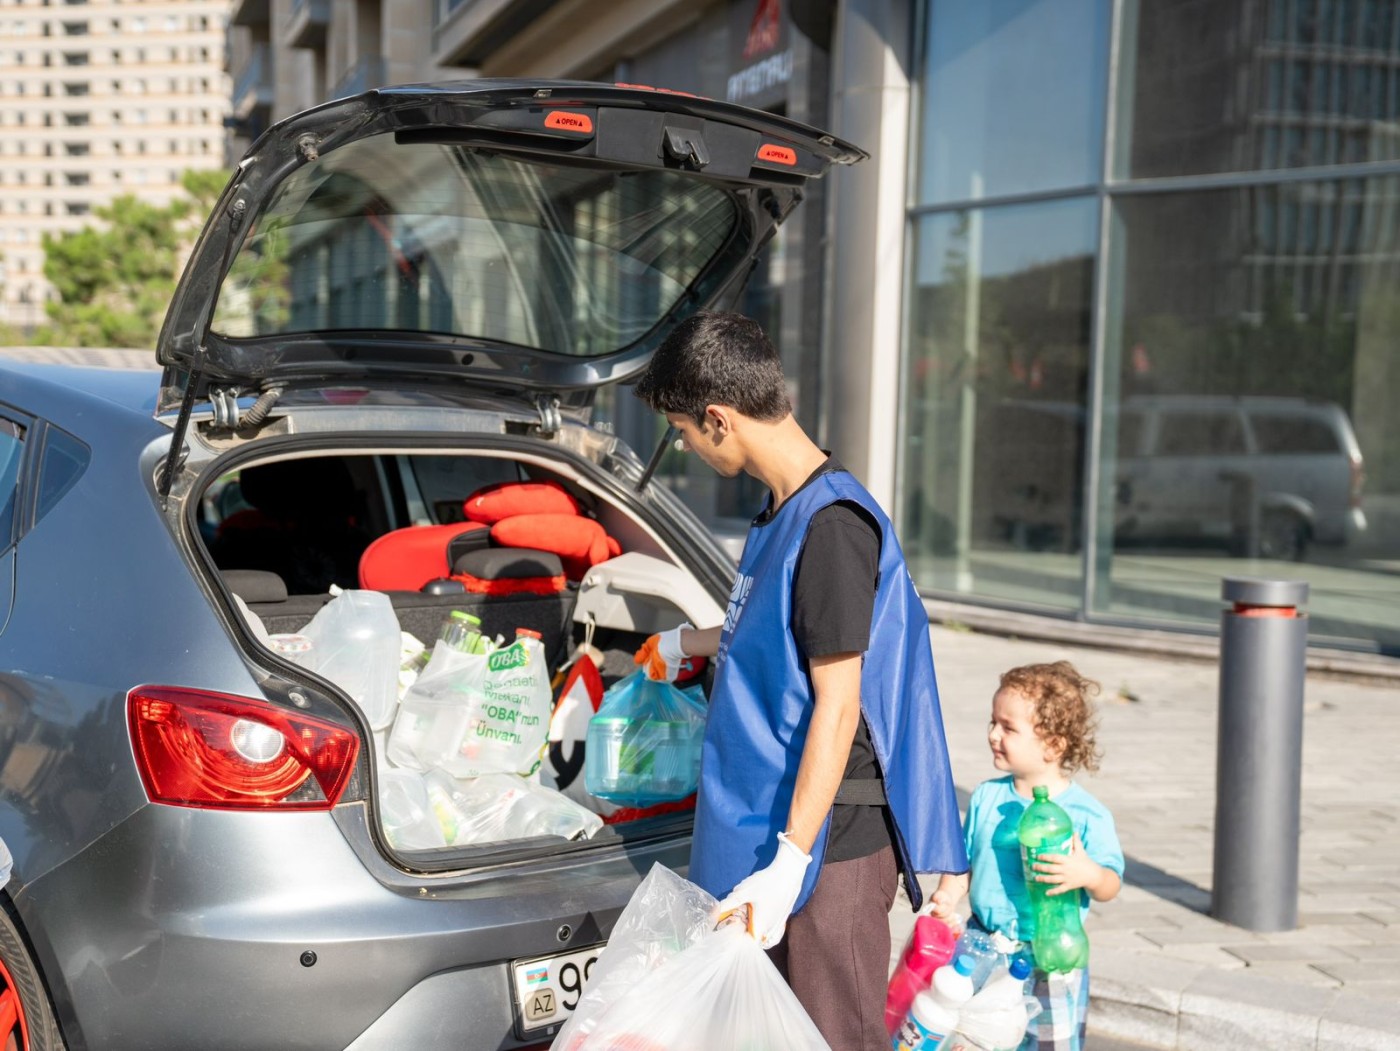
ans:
(862, 792)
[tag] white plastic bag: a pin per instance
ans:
(720, 991)
(354, 642)
(495, 807)
(472, 713)
(665, 915)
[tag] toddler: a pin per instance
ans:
(1041, 732)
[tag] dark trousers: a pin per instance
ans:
(836, 952)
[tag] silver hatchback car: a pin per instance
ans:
(400, 299)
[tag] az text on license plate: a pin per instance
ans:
(547, 989)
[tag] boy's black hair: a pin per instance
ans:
(716, 359)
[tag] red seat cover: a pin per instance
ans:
(579, 542)
(492, 503)
(406, 559)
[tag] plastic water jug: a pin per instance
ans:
(354, 642)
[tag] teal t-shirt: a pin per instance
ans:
(998, 889)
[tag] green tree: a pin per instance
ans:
(114, 280)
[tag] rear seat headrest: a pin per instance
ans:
(510, 571)
(508, 563)
(255, 585)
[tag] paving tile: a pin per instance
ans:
(1357, 1021)
(1337, 919)
(1198, 935)
(1126, 940)
(1206, 955)
(1238, 1010)
(1268, 953)
(1348, 971)
(1293, 971)
(1332, 935)
(1378, 951)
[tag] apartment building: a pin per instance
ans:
(98, 98)
(286, 55)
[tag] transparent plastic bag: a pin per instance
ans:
(475, 713)
(495, 807)
(644, 743)
(665, 915)
(354, 642)
(722, 992)
(409, 820)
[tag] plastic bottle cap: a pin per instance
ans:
(1040, 792)
(1020, 968)
(964, 964)
(461, 614)
(528, 633)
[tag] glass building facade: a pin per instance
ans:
(1152, 308)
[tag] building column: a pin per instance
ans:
(870, 78)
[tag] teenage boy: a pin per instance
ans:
(825, 740)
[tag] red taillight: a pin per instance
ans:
(200, 749)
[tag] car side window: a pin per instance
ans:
(12, 437)
(64, 460)
(1280, 434)
(1199, 434)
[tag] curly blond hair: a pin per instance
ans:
(1064, 718)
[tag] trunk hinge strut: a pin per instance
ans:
(666, 439)
(165, 475)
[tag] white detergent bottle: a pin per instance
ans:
(1007, 985)
(934, 1012)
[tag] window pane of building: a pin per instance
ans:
(1253, 384)
(1239, 85)
(991, 479)
(1012, 97)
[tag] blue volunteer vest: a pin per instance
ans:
(762, 700)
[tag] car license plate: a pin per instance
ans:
(547, 989)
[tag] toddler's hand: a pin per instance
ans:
(942, 903)
(1072, 871)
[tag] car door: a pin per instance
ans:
(1197, 469)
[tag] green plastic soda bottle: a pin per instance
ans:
(1059, 943)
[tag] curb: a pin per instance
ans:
(1182, 644)
(1179, 1006)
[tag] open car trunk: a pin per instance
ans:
(350, 566)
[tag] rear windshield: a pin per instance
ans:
(426, 237)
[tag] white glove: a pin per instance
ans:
(771, 892)
(662, 655)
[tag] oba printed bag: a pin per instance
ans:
(476, 713)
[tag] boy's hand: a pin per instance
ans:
(1072, 871)
(662, 655)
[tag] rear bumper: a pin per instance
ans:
(185, 928)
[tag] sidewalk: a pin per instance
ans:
(1164, 973)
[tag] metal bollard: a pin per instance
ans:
(1259, 754)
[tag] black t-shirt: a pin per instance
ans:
(833, 601)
